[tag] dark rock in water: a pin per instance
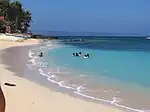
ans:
(38, 36)
(9, 84)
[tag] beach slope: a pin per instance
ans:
(28, 96)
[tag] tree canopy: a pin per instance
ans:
(15, 16)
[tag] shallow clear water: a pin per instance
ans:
(131, 66)
(117, 71)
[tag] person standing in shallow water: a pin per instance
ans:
(2, 101)
(41, 54)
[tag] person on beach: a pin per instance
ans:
(2, 101)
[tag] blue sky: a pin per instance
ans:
(119, 16)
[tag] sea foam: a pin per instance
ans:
(50, 76)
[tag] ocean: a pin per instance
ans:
(117, 71)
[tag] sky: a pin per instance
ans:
(113, 16)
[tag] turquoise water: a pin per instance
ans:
(129, 66)
(117, 68)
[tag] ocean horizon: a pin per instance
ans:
(84, 33)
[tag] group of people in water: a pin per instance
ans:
(80, 54)
(73, 54)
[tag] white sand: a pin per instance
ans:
(5, 37)
(28, 96)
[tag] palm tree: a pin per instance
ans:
(15, 15)
(16, 11)
(26, 20)
(4, 7)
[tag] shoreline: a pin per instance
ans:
(15, 97)
(121, 101)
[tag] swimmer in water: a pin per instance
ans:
(77, 54)
(80, 53)
(86, 56)
(41, 54)
(73, 54)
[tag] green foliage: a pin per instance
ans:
(15, 15)
(2, 24)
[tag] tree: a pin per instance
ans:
(4, 8)
(25, 21)
(14, 14)
(2, 26)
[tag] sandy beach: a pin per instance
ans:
(28, 96)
